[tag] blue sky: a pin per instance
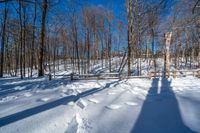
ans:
(115, 6)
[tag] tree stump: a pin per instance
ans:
(50, 77)
(149, 76)
(71, 76)
(174, 74)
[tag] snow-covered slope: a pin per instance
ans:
(112, 106)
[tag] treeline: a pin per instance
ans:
(37, 35)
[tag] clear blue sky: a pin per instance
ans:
(116, 6)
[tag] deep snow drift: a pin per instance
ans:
(112, 106)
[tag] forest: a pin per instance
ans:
(99, 66)
(38, 35)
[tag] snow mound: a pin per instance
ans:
(93, 100)
(8, 98)
(96, 94)
(131, 103)
(28, 94)
(141, 97)
(19, 88)
(137, 88)
(113, 106)
(45, 99)
(79, 91)
(71, 103)
(111, 93)
(63, 95)
(38, 91)
(133, 92)
(178, 89)
(69, 91)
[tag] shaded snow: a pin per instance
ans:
(28, 94)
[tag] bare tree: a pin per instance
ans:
(41, 49)
(130, 33)
(3, 39)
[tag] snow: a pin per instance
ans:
(75, 125)
(71, 103)
(28, 94)
(113, 106)
(106, 106)
(45, 99)
(111, 93)
(93, 100)
(82, 103)
(131, 103)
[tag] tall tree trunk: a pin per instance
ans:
(130, 33)
(76, 44)
(88, 51)
(167, 54)
(3, 39)
(186, 48)
(179, 47)
(33, 39)
(153, 49)
(193, 53)
(16, 57)
(41, 50)
(24, 38)
(21, 40)
(199, 43)
(109, 47)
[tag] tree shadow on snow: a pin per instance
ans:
(39, 109)
(8, 87)
(160, 111)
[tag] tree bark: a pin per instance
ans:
(130, 33)
(198, 43)
(33, 39)
(41, 50)
(3, 40)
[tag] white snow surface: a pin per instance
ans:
(106, 106)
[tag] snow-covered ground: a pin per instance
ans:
(106, 106)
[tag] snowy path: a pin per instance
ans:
(135, 105)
